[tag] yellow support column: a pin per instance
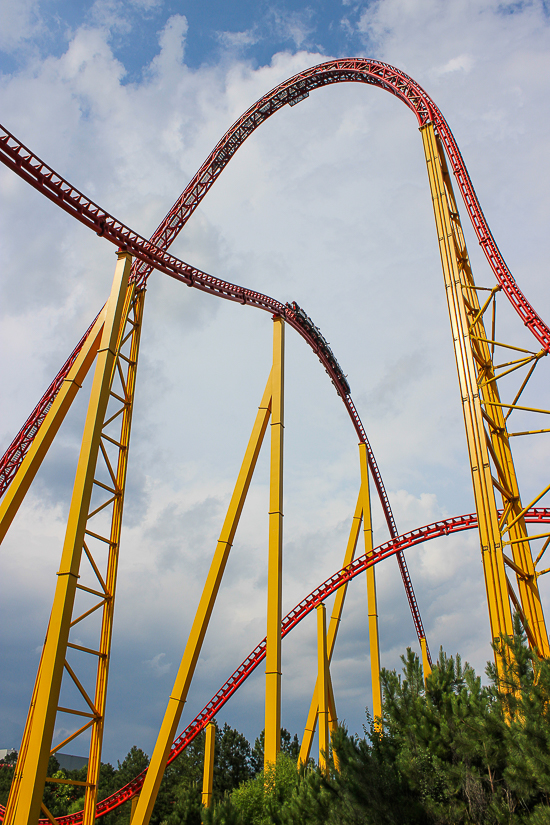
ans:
(322, 687)
(332, 716)
(426, 667)
(134, 315)
(208, 773)
(30, 465)
(371, 592)
(193, 647)
(498, 442)
(25, 800)
(455, 276)
(133, 807)
(272, 744)
(309, 732)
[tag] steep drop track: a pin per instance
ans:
(152, 254)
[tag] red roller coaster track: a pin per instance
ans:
(152, 255)
(458, 524)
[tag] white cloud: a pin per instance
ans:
(238, 40)
(20, 22)
(294, 26)
(157, 665)
(172, 40)
(326, 204)
(463, 62)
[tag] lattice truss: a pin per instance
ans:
(71, 683)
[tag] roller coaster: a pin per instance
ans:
(112, 344)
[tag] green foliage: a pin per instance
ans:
(289, 745)
(259, 801)
(452, 752)
(7, 767)
(231, 760)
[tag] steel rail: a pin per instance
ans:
(295, 89)
(291, 91)
(35, 171)
(14, 455)
(444, 527)
(20, 159)
(362, 70)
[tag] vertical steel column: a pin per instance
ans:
(322, 687)
(208, 772)
(309, 732)
(27, 790)
(272, 744)
(371, 592)
(455, 281)
(167, 732)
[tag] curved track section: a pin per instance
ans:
(21, 160)
(292, 91)
(458, 524)
(152, 255)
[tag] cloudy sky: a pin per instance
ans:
(327, 204)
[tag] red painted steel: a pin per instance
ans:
(374, 73)
(14, 455)
(151, 254)
(21, 160)
(445, 527)
(361, 70)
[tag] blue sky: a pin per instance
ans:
(327, 204)
(253, 30)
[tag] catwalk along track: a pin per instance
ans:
(488, 439)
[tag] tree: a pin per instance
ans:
(231, 760)
(289, 745)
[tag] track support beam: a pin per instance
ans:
(177, 699)
(371, 592)
(19, 487)
(208, 772)
(322, 687)
(334, 624)
(25, 801)
(272, 742)
(480, 400)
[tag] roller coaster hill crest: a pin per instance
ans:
(513, 534)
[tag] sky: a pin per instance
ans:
(328, 205)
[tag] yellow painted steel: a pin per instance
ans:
(322, 687)
(208, 772)
(193, 647)
(272, 743)
(30, 465)
(133, 807)
(134, 316)
(24, 803)
(371, 592)
(482, 406)
(332, 720)
(426, 667)
(309, 732)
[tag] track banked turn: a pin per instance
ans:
(151, 254)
